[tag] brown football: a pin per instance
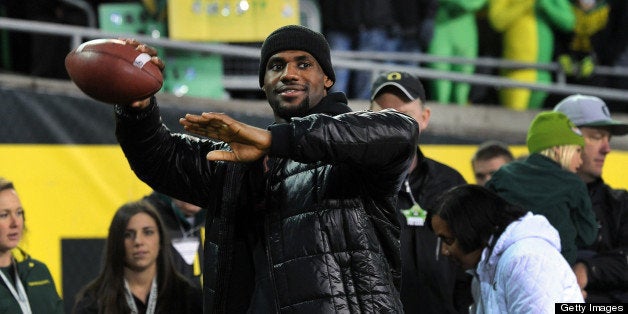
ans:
(110, 71)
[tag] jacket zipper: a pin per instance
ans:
(267, 236)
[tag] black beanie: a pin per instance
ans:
(296, 37)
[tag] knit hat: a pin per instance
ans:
(409, 84)
(296, 37)
(552, 128)
(590, 111)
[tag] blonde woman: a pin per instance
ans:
(546, 183)
(27, 286)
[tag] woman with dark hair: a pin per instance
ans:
(138, 274)
(514, 255)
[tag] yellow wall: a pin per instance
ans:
(67, 192)
(72, 191)
(254, 24)
(459, 158)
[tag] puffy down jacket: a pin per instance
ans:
(324, 209)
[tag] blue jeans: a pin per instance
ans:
(340, 41)
(374, 39)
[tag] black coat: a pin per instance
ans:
(324, 212)
(176, 226)
(187, 301)
(607, 257)
(431, 283)
(354, 15)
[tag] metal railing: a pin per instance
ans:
(480, 61)
(86, 8)
(352, 60)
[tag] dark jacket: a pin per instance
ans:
(187, 301)
(353, 15)
(416, 19)
(176, 225)
(430, 282)
(540, 185)
(340, 16)
(610, 43)
(38, 284)
(324, 212)
(607, 257)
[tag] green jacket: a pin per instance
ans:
(540, 185)
(39, 286)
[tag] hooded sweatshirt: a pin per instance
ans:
(525, 272)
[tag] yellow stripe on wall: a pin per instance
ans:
(72, 191)
(67, 192)
(459, 158)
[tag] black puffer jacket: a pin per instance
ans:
(324, 212)
(431, 282)
(607, 257)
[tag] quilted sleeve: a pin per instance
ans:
(533, 276)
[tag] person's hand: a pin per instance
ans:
(141, 104)
(248, 143)
(582, 277)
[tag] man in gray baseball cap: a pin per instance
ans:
(592, 116)
(590, 111)
(602, 270)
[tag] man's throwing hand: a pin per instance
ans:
(248, 143)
